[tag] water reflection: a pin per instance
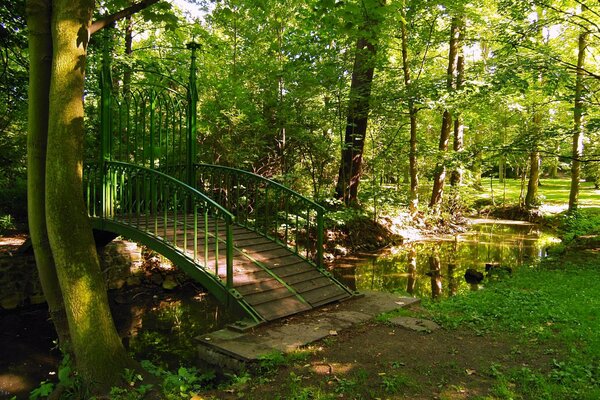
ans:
(436, 268)
(161, 326)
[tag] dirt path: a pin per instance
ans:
(376, 360)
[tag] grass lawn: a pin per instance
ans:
(552, 192)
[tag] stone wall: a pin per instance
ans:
(122, 263)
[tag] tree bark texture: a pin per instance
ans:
(40, 62)
(578, 128)
(356, 122)
(531, 198)
(439, 178)
(99, 354)
(358, 111)
(458, 144)
(413, 166)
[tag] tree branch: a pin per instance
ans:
(109, 19)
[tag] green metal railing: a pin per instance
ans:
(266, 207)
(191, 223)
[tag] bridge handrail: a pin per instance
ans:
(143, 197)
(231, 193)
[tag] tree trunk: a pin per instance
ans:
(40, 59)
(578, 128)
(459, 138)
(358, 111)
(531, 198)
(99, 354)
(439, 178)
(413, 167)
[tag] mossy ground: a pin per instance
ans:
(531, 336)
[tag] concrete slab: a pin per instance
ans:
(232, 349)
(415, 324)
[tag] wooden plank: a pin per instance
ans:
(269, 295)
(302, 276)
(259, 286)
(282, 308)
(320, 295)
(311, 284)
(287, 270)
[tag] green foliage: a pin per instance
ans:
(181, 384)
(6, 223)
(71, 385)
(394, 383)
(585, 221)
(269, 363)
(552, 306)
(13, 198)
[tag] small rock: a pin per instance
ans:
(11, 302)
(169, 283)
(37, 299)
(415, 324)
(157, 279)
(116, 284)
(133, 281)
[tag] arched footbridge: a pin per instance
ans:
(253, 243)
(256, 245)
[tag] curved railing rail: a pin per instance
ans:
(266, 207)
(182, 217)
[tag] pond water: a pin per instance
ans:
(436, 267)
(162, 326)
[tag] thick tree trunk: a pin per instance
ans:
(358, 111)
(413, 167)
(99, 354)
(40, 61)
(439, 178)
(578, 129)
(356, 123)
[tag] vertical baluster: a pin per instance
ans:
(237, 195)
(286, 207)
(137, 197)
(266, 218)
(205, 236)
(175, 215)
(307, 239)
(185, 221)
(147, 194)
(195, 230)
(320, 229)
(166, 209)
(229, 253)
(155, 186)
(216, 219)
(277, 216)
(297, 235)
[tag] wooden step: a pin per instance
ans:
(319, 296)
(302, 276)
(281, 308)
(311, 284)
(259, 286)
(277, 292)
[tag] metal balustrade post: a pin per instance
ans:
(229, 254)
(192, 93)
(320, 228)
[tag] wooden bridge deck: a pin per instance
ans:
(271, 277)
